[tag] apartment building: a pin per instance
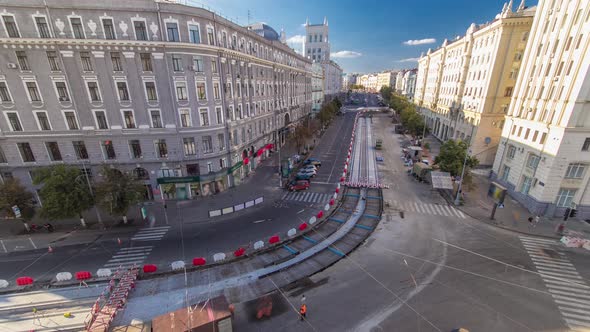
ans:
(183, 98)
(464, 87)
(544, 154)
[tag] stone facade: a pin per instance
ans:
(186, 99)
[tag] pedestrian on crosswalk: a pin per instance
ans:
(302, 311)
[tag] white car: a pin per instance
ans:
(310, 167)
(307, 172)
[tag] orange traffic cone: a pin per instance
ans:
(49, 249)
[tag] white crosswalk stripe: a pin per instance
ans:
(127, 257)
(568, 289)
(150, 234)
(306, 197)
(429, 209)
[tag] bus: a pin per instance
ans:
(378, 144)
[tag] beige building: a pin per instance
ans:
(464, 87)
(384, 79)
(399, 81)
(372, 83)
(409, 84)
(544, 154)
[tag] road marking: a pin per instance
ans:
(135, 248)
(575, 324)
(532, 239)
(566, 284)
(554, 264)
(3, 246)
(581, 302)
(33, 243)
(300, 211)
(418, 208)
(574, 295)
(555, 270)
(581, 291)
(132, 255)
(574, 310)
(570, 276)
(585, 317)
(285, 195)
(140, 258)
(259, 221)
(551, 259)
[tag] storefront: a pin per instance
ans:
(180, 188)
(236, 173)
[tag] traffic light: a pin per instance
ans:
(566, 214)
(573, 213)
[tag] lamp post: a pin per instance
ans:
(98, 217)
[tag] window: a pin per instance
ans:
(23, 61)
(575, 171)
(150, 90)
(221, 140)
(224, 39)
(80, 149)
(213, 65)
(508, 92)
(25, 152)
(71, 121)
(192, 169)
(235, 137)
(93, 91)
(140, 30)
(43, 121)
(108, 150)
(201, 92)
(86, 62)
(101, 120)
(209, 167)
(14, 121)
(193, 32)
(204, 116)
(216, 92)
(240, 112)
(2, 157)
(53, 61)
(146, 61)
(569, 68)
(219, 115)
(565, 197)
(42, 27)
(505, 173)
(533, 161)
(198, 64)
(172, 32)
(135, 148)
(77, 28)
(185, 117)
(519, 131)
(210, 36)
(33, 91)
(11, 28)
(527, 132)
(62, 91)
(176, 62)
(511, 151)
(586, 144)
(161, 148)
(156, 118)
(190, 149)
(116, 61)
(53, 150)
(4, 94)
(122, 91)
(580, 37)
(535, 135)
(207, 146)
(525, 187)
(129, 119)
(181, 93)
(109, 29)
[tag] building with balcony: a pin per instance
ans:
(409, 84)
(185, 99)
(317, 87)
(544, 152)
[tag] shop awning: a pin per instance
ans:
(180, 179)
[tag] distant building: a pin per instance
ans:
(384, 79)
(399, 81)
(317, 87)
(409, 84)
(348, 80)
(332, 77)
(316, 45)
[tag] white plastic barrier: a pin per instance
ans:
(177, 265)
(218, 257)
(335, 195)
(63, 276)
(291, 232)
(312, 220)
(103, 273)
(327, 207)
(345, 166)
(258, 245)
(3, 283)
(338, 186)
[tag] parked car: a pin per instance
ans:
(306, 176)
(313, 161)
(296, 158)
(310, 167)
(299, 185)
(307, 171)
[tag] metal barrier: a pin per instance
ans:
(236, 207)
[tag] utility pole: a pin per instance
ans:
(457, 197)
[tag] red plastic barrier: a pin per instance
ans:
(83, 275)
(337, 190)
(342, 179)
(320, 214)
(198, 261)
(302, 226)
(345, 170)
(22, 281)
(274, 239)
(332, 201)
(239, 252)
(149, 268)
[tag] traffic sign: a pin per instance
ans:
(16, 211)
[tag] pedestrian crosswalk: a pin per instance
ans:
(306, 197)
(430, 209)
(569, 290)
(150, 234)
(127, 257)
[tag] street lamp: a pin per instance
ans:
(98, 217)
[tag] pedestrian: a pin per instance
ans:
(302, 311)
(530, 221)
(537, 219)
(303, 299)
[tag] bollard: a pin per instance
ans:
(177, 265)
(258, 245)
(312, 220)
(3, 283)
(63, 276)
(291, 232)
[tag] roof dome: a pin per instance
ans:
(264, 30)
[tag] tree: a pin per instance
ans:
(301, 134)
(451, 157)
(118, 191)
(337, 103)
(65, 193)
(386, 92)
(12, 193)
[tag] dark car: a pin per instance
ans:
(313, 161)
(299, 185)
(306, 176)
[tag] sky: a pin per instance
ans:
(371, 35)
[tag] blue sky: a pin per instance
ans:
(375, 33)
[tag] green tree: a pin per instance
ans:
(65, 193)
(386, 92)
(12, 193)
(301, 135)
(118, 191)
(451, 157)
(337, 103)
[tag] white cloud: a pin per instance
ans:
(413, 42)
(409, 60)
(297, 39)
(346, 54)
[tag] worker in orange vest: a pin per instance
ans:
(303, 311)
